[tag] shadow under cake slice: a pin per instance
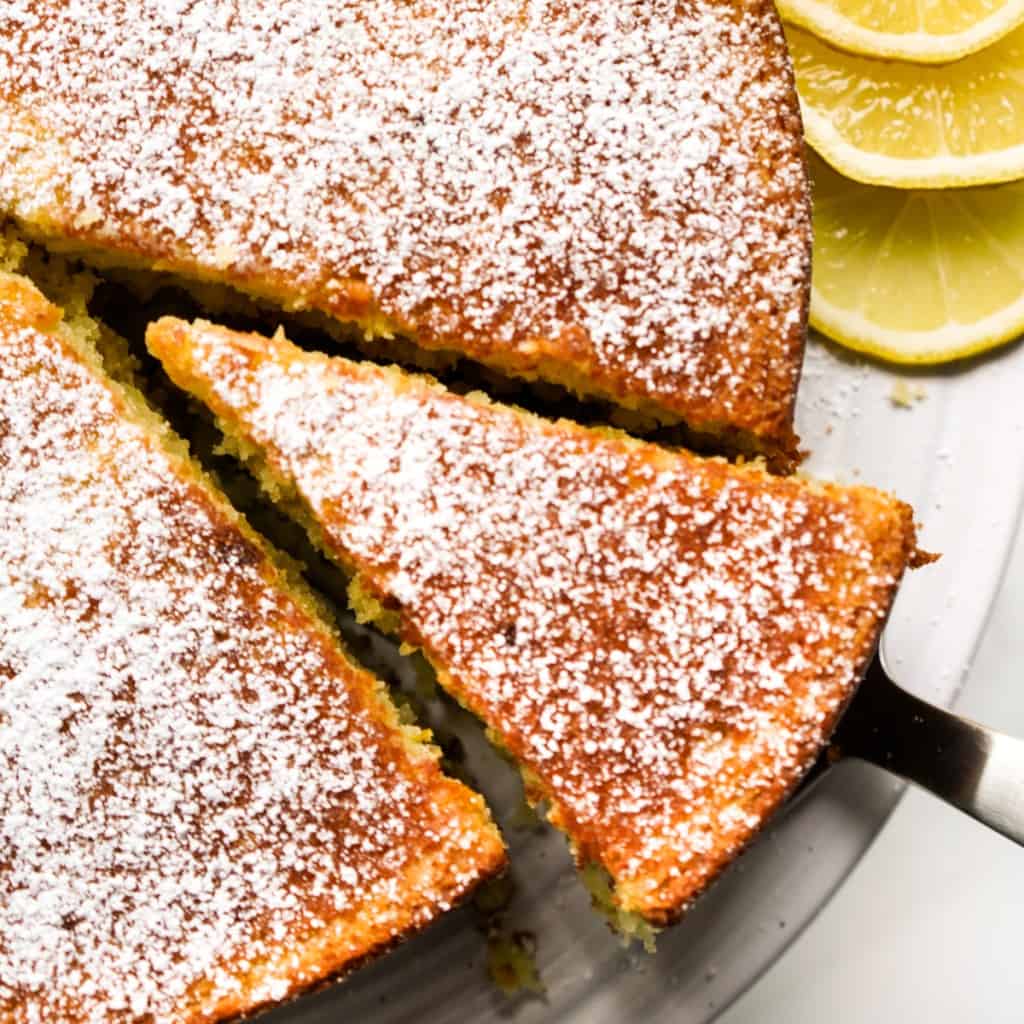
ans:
(662, 642)
(205, 806)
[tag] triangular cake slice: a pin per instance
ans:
(610, 196)
(662, 642)
(205, 806)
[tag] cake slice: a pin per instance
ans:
(205, 807)
(662, 642)
(608, 196)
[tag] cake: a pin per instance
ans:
(205, 807)
(662, 642)
(611, 197)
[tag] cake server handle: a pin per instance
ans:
(979, 770)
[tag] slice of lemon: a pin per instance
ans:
(911, 126)
(917, 276)
(930, 33)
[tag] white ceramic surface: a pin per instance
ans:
(958, 456)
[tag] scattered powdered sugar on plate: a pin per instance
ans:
(192, 780)
(617, 187)
(661, 640)
(832, 396)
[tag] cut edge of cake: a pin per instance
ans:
(775, 441)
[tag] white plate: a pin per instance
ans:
(958, 457)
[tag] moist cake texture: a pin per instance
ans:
(204, 806)
(662, 642)
(609, 196)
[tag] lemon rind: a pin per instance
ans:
(915, 47)
(946, 344)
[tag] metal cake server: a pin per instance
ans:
(977, 769)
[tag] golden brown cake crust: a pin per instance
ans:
(205, 807)
(608, 195)
(663, 643)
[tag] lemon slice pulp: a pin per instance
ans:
(916, 276)
(912, 126)
(935, 32)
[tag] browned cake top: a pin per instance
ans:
(203, 806)
(607, 193)
(663, 641)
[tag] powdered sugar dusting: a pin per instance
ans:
(192, 782)
(662, 641)
(610, 189)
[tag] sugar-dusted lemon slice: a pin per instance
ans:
(917, 276)
(935, 32)
(911, 126)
